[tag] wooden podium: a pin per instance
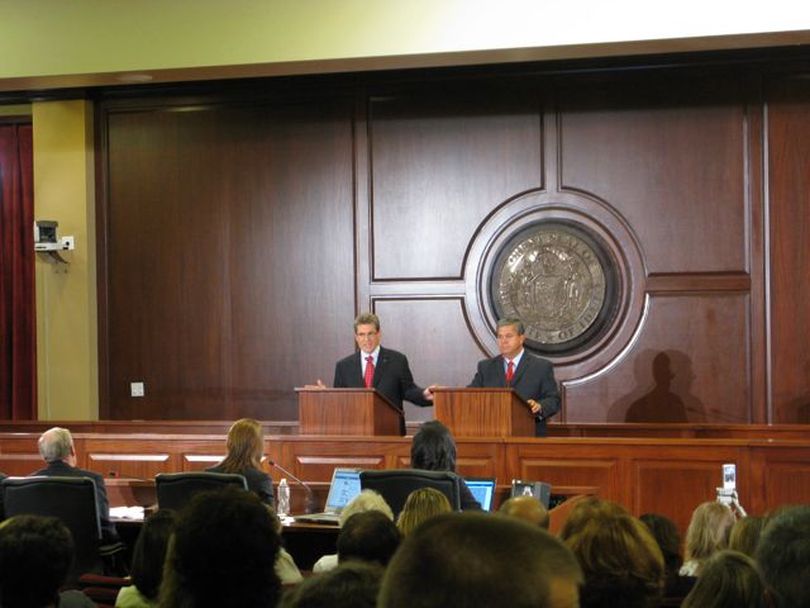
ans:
(483, 412)
(346, 411)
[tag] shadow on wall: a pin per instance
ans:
(668, 399)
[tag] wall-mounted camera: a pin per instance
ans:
(46, 239)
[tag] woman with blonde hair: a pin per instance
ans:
(421, 505)
(707, 534)
(245, 446)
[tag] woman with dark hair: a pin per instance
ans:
(668, 538)
(147, 562)
(622, 563)
(434, 449)
(245, 445)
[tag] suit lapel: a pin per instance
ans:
(521, 368)
(501, 372)
(382, 360)
(358, 369)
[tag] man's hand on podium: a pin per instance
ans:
(428, 392)
(319, 384)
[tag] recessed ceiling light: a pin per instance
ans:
(134, 78)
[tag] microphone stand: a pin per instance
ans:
(310, 505)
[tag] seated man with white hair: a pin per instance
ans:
(367, 500)
(57, 450)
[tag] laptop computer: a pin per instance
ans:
(483, 489)
(344, 487)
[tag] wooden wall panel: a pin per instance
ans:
(674, 487)
(241, 231)
(411, 324)
(788, 114)
(675, 370)
(218, 259)
(441, 161)
(670, 158)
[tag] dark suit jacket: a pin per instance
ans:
(62, 469)
(392, 378)
(533, 379)
(258, 482)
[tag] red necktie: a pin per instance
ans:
(510, 371)
(369, 377)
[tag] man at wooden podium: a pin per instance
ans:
(381, 368)
(530, 376)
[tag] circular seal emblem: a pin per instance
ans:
(560, 281)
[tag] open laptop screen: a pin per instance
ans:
(345, 486)
(483, 490)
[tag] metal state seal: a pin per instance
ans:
(557, 278)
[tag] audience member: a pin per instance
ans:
(473, 559)
(245, 444)
(147, 562)
(620, 559)
(707, 533)
(369, 536)
(434, 449)
(728, 579)
(783, 555)
(57, 450)
(286, 568)
(745, 534)
(222, 554)
(527, 508)
(2, 512)
(351, 585)
(421, 505)
(36, 554)
(367, 500)
(666, 534)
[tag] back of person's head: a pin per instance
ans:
(150, 552)
(245, 444)
(620, 559)
(467, 560)
(368, 536)
(666, 534)
(708, 531)
(36, 554)
(433, 448)
(55, 444)
(585, 509)
(526, 508)
(728, 579)
(367, 500)
(353, 584)
(222, 554)
(421, 505)
(745, 533)
(783, 555)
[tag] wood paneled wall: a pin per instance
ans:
(240, 231)
(661, 475)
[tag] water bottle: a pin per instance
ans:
(283, 502)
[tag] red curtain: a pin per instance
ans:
(17, 305)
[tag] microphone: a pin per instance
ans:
(310, 504)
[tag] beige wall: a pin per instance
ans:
(255, 37)
(67, 359)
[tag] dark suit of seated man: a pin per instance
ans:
(389, 373)
(56, 448)
(531, 377)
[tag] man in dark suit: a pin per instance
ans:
(381, 368)
(56, 448)
(530, 376)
